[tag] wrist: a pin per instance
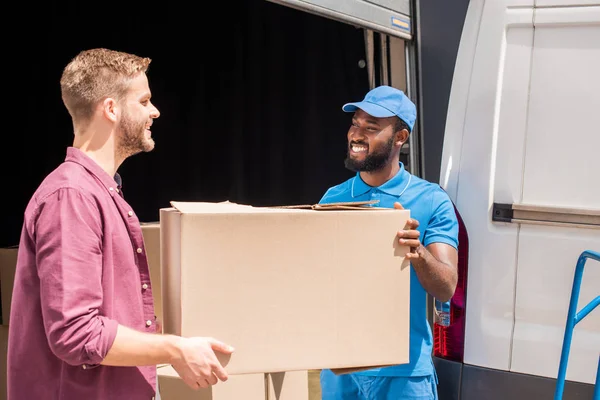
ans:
(173, 346)
(422, 258)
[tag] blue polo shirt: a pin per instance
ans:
(430, 205)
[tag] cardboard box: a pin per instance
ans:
(290, 289)
(8, 266)
(246, 387)
(3, 361)
(291, 385)
(151, 233)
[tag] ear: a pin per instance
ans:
(110, 109)
(401, 137)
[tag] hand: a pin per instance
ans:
(410, 237)
(198, 365)
(158, 324)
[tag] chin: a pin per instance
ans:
(148, 145)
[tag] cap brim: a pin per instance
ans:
(370, 108)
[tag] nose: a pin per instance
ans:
(154, 113)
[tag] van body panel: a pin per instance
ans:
(459, 381)
(547, 258)
(523, 128)
(468, 173)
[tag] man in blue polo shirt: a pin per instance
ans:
(381, 124)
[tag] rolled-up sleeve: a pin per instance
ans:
(68, 239)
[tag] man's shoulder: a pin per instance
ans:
(338, 193)
(437, 193)
(66, 176)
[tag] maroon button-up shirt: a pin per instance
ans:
(81, 271)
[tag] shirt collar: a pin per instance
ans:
(77, 156)
(394, 186)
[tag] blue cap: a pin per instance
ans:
(386, 101)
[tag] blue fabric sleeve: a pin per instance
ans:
(443, 226)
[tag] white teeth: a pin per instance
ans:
(358, 149)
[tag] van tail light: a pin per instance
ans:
(449, 336)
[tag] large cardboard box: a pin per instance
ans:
(8, 266)
(290, 289)
(151, 233)
(246, 387)
(291, 385)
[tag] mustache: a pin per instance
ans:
(360, 142)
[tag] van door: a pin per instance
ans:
(521, 161)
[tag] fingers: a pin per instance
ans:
(411, 224)
(398, 206)
(219, 346)
(212, 379)
(412, 243)
(202, 383)
(219, 372)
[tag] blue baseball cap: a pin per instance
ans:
(386, 101)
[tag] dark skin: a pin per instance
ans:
(435, 265)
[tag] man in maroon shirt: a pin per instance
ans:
(82, 322)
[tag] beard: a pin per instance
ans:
(133, 136)
(372, 162)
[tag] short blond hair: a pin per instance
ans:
(96, 74)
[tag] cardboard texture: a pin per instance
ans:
(8, 266)
(291, 385)
(151, 233)
(246, 387)
(291, 289)
(3, 361)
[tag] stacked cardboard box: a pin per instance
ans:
(8, 262)
(279, 386)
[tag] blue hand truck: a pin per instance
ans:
(573, 318)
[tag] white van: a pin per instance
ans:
(520, 160)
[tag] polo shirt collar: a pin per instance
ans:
(394, 186)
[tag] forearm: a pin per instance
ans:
(133, 348)
(437, 278)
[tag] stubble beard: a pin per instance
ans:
(372, 162)
(133, 137)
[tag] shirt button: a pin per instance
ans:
(145, 286)
(130, 213)
(117, 190)
(111, 189)
(84, 366)
(139, 250)
(148, 323)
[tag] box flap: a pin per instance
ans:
(349, 205)
(198, 207)
(190, 207)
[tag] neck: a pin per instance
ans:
(100, 148)
(378, 178)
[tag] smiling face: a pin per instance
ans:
(373, 142)
(136, 118)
